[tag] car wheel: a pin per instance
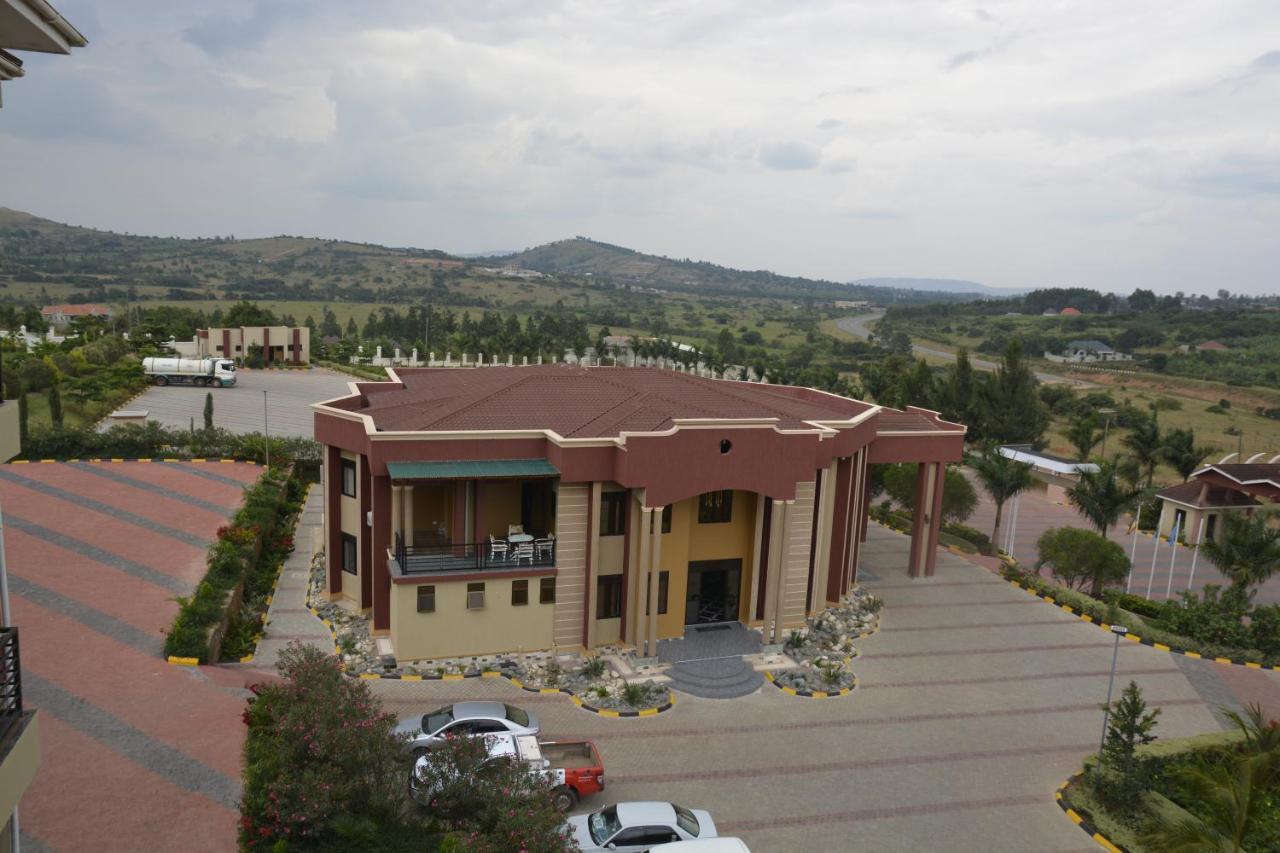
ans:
(162, 380)
(565, 798)
(419, 751)
(216, 383)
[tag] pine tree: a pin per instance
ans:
(1122, 777)
(1015, 413)
(23, 411)
(208, 410)
(957, 401)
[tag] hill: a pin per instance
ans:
(939, 285)
(582, 256)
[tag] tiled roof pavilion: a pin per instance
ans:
(598, 402)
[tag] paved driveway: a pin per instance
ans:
(975, 702)
(290, 394)
(136, 754)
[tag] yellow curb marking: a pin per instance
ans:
(411, 678)
(607, 713)
(1253, 665)
(648, 712)
(488, 673)
(177, 661)
(370, 676)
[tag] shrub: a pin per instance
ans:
(975, 537)
(1264, 628)
(320, 752)
(1122, 776)
(1135, 604)
(1216, 410)
(594, 667)
(1213, 616)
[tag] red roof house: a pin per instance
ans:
(1211, 345)
(1070, 312)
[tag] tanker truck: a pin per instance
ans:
(214, 372)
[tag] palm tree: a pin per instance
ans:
(1003, 479)
(1084, 436)
(1247, 550)
(1230, 796)
(1102, 496)
(1182, 453)
(1146, 445)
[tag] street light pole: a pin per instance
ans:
(1119, 631)
(1106, 427)
(266, 429)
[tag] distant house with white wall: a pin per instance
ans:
(280, 344)
(1087, 351)
(60, 316)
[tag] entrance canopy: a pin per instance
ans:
(472, 469)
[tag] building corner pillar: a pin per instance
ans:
(592, 566)
(935, 518)
(380, 541)
(655, 570)
(333, 517)
(642, 581)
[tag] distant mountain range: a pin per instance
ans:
(940, 285)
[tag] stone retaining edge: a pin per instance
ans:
(826, 694)
(1135, 638)
(1079, 820)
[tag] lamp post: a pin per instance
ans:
(266, 430)
(1106, 427)
(1119, 631)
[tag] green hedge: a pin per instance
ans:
(247, 551)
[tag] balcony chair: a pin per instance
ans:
(498, 549)
(544, 548)
(514, 529)
(523, 551)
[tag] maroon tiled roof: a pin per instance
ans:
(1244, 472)
(1216, 496)
(583, 402)
(891, 420)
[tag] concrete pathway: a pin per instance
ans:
(288, 618)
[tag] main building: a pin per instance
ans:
(492, 509)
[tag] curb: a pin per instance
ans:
(1076, 818)
(1136, 638)
(275, 586)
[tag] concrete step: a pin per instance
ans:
(716, 679)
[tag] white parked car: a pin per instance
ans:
(465, 719)
(638, 827)
(703, 845)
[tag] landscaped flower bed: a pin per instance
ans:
(823, 648)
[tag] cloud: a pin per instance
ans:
(789, 156)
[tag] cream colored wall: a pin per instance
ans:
(500, 502)
(690, 541)
(351, 523)
(19, 765)
(571, 561)
(610, 559)
(795, 583)
(453, 630)
(10, 445)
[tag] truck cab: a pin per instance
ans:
(224, 370)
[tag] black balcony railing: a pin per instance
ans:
(474, 556)
(10, 680)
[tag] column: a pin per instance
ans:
(381, 535)
(862, 497)
(407, 524)
(915, 565)
(366, 534)
(397, 510)
(784, 569)
(756, 561)
(841, 518)
(822, 485)
(654, 569)
(642, 579)
(777, 532)
(593, 565)
(935, 518)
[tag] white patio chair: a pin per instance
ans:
(498, 549)
(544, 547)
(523, 551)
(515, 529)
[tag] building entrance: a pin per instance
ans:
(713, 591)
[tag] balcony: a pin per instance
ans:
(497, 555)
(19, 729)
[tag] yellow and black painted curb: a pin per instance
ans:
(825, 694)
(257, 638)
(1136, 638)
(489, 673)
(1080, 821)
(99, 460)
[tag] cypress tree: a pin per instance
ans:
(208, 410)
(1015, 414)
(55, 404)
(22, 417)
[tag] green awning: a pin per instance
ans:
(473, 469)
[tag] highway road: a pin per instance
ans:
(860, 327)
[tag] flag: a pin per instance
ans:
(1173, 531)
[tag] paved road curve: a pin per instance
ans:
(860, 327)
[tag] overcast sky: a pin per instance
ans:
(1092, 143)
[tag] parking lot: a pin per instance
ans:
(136, 754)
(289, 395)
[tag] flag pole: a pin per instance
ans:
(1195, 555)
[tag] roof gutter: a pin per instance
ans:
(53, 18)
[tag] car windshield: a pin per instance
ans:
(686, 821)
(437, 720)
(515, 715)
(229, 366)
(604, 824)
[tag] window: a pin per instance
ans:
(519, 593)
(666, 519)
(715, 507)
(613, 513)
(475, 596)
(547, 591)
(664, 579)
(609, 597)
(426, 599)
(349, 477)
(349, 553)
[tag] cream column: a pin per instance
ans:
(642, 580)
(784, 558)
(654, 570)
(819, 542)
(408, 516)
(776, 532)
(858, 478)
(633, 567)
(593, 562)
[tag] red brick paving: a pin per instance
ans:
(88, 795)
